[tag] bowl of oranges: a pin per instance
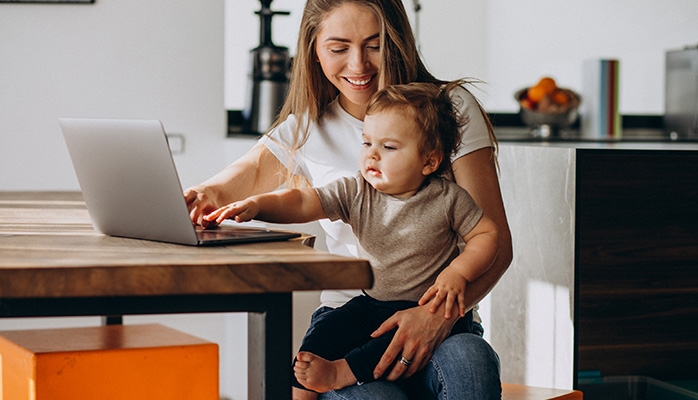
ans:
(546, 104)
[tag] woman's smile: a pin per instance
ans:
(360, 81)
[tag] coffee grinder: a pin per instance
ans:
(268, 76)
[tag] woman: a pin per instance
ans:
(347, 50)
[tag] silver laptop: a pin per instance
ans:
(131, 187)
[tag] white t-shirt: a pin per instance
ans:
(332, 151)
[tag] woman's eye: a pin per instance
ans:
(373, 48)
(337, 51)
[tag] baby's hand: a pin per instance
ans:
(449, 287)
(240, 211)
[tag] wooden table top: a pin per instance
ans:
(48, 248)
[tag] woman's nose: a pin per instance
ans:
(358, 61)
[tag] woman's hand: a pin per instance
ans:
(241, 179)
(419, 333)
(200, 204)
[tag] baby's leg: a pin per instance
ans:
(321, 375)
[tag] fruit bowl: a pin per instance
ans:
(554, 116)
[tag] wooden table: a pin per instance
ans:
(52, 263)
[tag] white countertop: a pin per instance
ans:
(619, 145)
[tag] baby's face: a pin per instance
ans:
(390, 158)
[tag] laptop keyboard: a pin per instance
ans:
(227, 232)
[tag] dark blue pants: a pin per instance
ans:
(345, 332)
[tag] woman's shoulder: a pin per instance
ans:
(464, 99)
(285, 128)
(475, 133)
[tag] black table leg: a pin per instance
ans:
(269, 355)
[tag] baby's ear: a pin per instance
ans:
(432, 162)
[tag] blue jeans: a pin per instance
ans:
(464, 367)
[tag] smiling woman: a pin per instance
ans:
(317, 139)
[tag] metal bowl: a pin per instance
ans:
(554, 120)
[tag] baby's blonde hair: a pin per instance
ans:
(431, 107)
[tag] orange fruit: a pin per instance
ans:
(536, 93)
(560, 98)
(548, 84)
(527, 104)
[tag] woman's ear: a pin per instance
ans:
(432, 162)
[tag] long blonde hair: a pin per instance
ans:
(310, 93)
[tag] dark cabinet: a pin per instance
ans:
(637, 263)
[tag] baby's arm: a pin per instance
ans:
(481, 248)
(283, 206)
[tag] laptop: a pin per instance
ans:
(131, 187)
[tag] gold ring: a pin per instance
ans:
(405, 361)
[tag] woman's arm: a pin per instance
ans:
(477, 173)
(258, 171)
(419, 331)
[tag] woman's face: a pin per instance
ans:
(348, 50)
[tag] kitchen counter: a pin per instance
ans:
(636, 135)
(636, 128)
(626, 144)
(600, 145)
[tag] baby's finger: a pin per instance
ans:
(223, 214)
(426, 296)
(213, 215)
(449, 306)
(436, 301)
(461, 304)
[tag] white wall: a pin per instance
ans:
(152, 59)
(511, 45)
(531, 39)
(127, 59)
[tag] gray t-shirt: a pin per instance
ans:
(407, 241)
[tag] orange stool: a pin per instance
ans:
(107, 363)
(520, 392)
